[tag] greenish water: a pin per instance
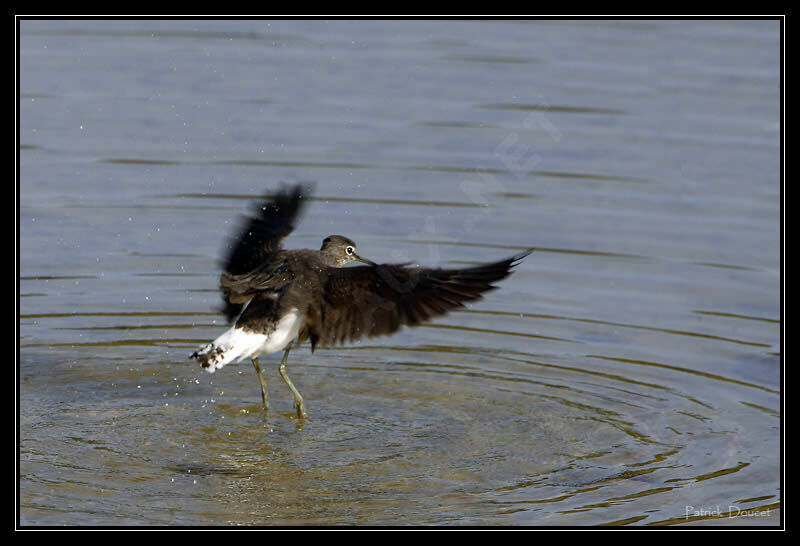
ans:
(627, 373)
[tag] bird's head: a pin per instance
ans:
(339, 250)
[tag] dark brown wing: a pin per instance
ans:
(270, 277)
(260, 234)
(370, 301)
(257, 240)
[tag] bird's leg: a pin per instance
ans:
(298, 400)
(264, 390)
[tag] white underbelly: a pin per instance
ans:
(237, 343)
(284, 333)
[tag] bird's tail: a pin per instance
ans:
(233, 345)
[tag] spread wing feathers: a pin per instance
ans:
(270, 277)
(257, 239)
(260, 234)
(370, 301)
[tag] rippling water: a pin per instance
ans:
(627, 373)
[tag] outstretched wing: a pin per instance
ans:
(370, 301)
(270, 277)
(257, 240)
(260, 234)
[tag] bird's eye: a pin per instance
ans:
(349, 250)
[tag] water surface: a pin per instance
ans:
(628, 373)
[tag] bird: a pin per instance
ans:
(275, 299)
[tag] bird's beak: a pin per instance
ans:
(364, 260)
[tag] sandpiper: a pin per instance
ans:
(276, 298)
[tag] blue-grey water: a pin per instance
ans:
(627, 373)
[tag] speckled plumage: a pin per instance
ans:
(278, 296)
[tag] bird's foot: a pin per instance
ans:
(300, 407)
